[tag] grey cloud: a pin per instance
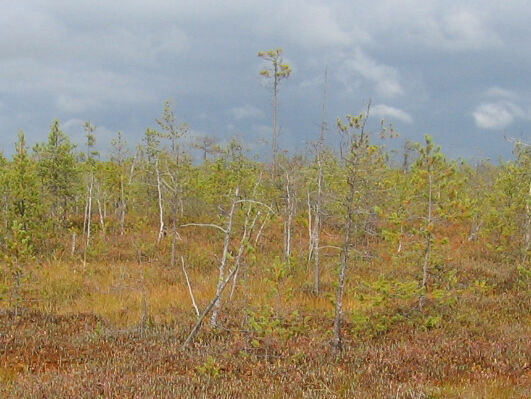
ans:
(115, 63)
(306, 23)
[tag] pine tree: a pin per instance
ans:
(58, 170)
(25, 195)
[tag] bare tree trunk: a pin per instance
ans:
(316, 232)
(145, 307)
(290, 209)
(207, 310)
(316, 259)
(226, 244)
(88, 218)
(123, 202)
(122, 207)
(247, 230)
(527, 227)
(173, 245)
(102, 216)
(317, 226)
(427, 255)
(174, 233)
(310, 229)
(190, 288)
(73, 249)
(275, 117)
(161, 214)
(337, 342)
(261, 229)
(85, 214)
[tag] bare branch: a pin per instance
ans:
(205, 225)
(256, 202)
(199, 322)
(190, 288)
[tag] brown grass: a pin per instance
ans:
(80, 334)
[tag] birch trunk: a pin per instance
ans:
(88, 217)
(161, 214)
(226, 244)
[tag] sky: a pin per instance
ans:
(457, 70)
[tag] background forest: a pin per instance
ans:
(344, 271)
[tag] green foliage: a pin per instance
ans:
(209, 368)
(382, 291)
(509, 214)
(364, 165)
(279, 70)
(25, 193)
(524, 277)
(278, 274)
(17, 256)
(59, 173)
(432, 322)
(383, 305)
(264, 324)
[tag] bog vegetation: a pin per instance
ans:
(337, 272)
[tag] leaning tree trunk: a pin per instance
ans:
(223, 263)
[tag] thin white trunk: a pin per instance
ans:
(226, 244)
(85, 217)
(247, 230)
(194, 304)
(310, 230)
(289, 219)
(122, 207)
(317, 225)
(161, 210)
(88, 218)
(527, 227)
(261, 229)
(132, 170)
(101, 215)
(337, 342)
(275, 117)
(73, 249)
(214, 300)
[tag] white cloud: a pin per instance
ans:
(447, 25)
(74, 90)
(311, 82)
(499, 92)
(384, 77)
(465, 30)
(314, 25)
(386, 111)
(307, 24)
(246, 111)
(70, 104)
(497, 115)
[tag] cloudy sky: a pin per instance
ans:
(458, 70)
